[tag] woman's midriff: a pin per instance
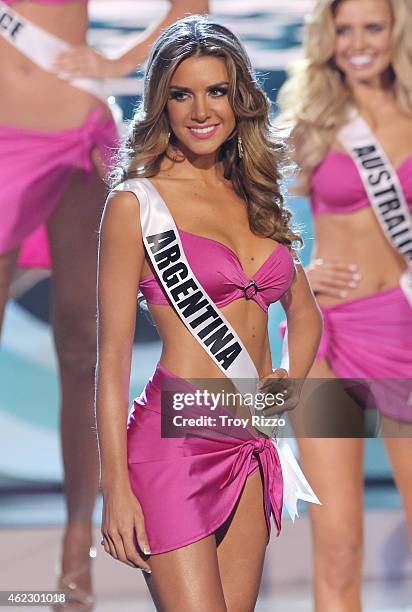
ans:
(356, 238)
(183, 355)
(32, 98)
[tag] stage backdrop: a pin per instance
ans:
(29, 397)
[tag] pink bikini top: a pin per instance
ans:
(48, 1)
(219, 271)
(337, 187)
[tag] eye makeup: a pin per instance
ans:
(216, 91)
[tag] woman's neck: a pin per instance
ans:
(203, 169)
(372, 98)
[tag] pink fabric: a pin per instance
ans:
(371, 338)
(337, 187)
(188, 486)
(219, 271)
(35, 169)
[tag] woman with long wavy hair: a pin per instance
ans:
(197, 222)
(356, 79)
(56, 136)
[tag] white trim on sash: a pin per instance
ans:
(384, 189)
(42, 48)
(203, 318)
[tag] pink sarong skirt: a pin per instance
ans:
(371, 338)
(35, 169)
(188, 486)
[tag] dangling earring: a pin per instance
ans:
(240, 147)
(172, 151)
(169, 146)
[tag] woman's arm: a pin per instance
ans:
(304, 333)
(83, 61)
(304, 325)
(121, 257)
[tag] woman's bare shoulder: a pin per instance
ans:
(123, 201)
(121, 213)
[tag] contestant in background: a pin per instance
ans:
(55, 143)
(358, 56)
(194, 512)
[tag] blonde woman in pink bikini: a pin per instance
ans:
(56, 137)
(350, 103)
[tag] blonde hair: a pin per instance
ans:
(256, 176)
(314, 100)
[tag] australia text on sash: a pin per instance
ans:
(386, 192)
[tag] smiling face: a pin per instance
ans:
(200, 115)
(363, 48)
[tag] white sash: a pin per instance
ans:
(203, 318)
(384, 190)
(41, 47)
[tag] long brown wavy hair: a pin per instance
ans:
(315, 99)
(256, 176)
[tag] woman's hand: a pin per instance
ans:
(122, 525)
(332, 279)
(285, 392)
(83, 61)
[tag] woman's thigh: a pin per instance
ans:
(328, 407)
(334, 468)
(242, 542)
(73, 235)
(187, 579)
(221, 572)
(399, 450)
